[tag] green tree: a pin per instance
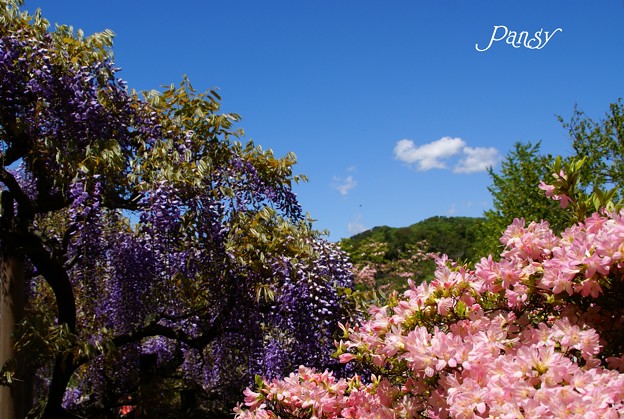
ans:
(601, 144)
(598, 162)
(514, 192)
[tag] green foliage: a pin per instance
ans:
(601, 144)
(564, 185)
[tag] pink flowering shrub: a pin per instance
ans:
(538, 333)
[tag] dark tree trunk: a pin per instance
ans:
(63, 370)
(13, 403)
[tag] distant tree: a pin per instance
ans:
(515, 194)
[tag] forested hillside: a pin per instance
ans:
(384, 256)
(453, 236)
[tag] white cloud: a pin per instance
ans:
(428, 156)
(344, 185)
(356, 226)
(477, 159)
(438, 153)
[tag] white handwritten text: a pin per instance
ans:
(519, 39)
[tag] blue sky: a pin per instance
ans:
(392, 111)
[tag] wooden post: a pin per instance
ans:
(12, 401)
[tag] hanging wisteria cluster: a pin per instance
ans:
(57, 107)
(146, 272)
